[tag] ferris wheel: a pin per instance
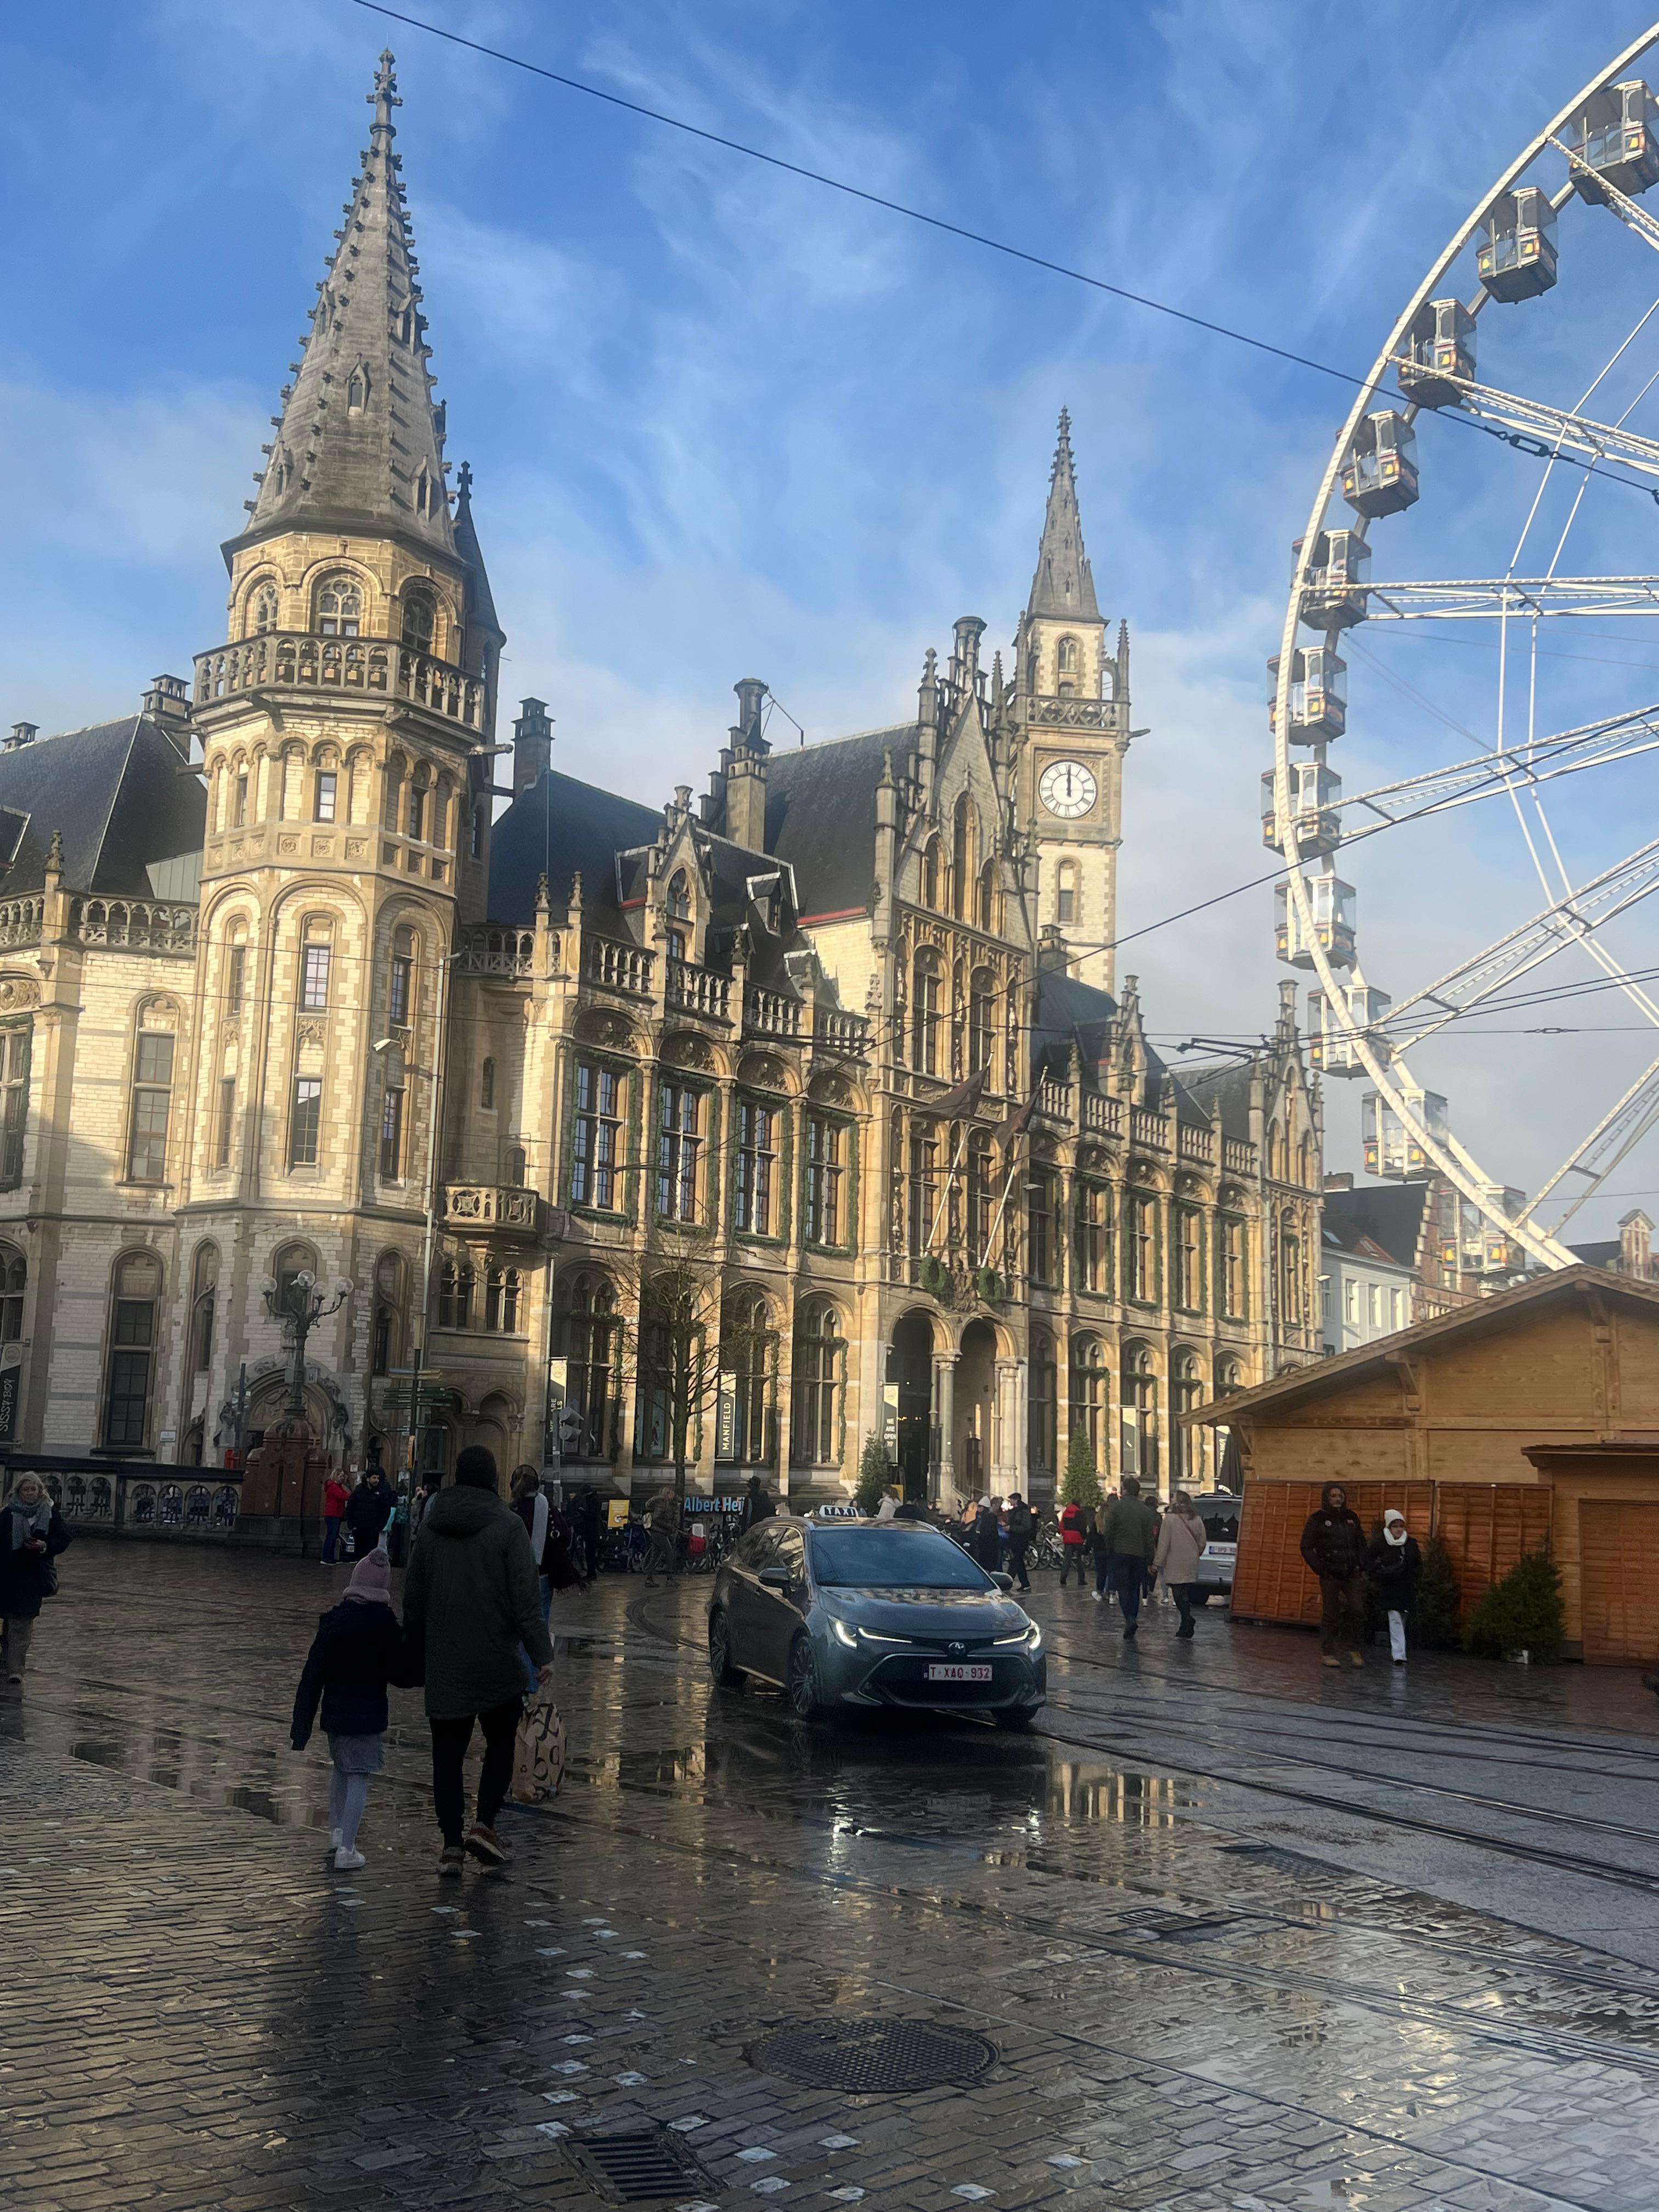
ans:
(1490, 584)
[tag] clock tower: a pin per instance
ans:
(1072, 707)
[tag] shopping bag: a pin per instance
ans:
(538, 1753)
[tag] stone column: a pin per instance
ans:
(945, 1418)
(1008, 1457)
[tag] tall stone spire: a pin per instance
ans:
(1063, 587)
(359, 444)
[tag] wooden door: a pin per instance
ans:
(1618, 1552)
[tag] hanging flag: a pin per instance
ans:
(1014, 1128)
(962, 1100)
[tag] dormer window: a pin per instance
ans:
(679, 910)
(356, 391)
(339, 605)
(426, 493)
(1066, 656)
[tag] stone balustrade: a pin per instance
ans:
(490, 950)
(770, 1013)
(134, 925)
(618, 965)
(1101, 1116)
(20, 921)
(839, 1032)
(508, 1208)
(292, 660)
(1195, 1145)
(1150, 1129)
(693, 990)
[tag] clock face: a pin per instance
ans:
(1068, 788)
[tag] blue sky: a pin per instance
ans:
(724, 423)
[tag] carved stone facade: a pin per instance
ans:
(288, 995)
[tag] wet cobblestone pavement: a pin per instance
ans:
(1243, 1936)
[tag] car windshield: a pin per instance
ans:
(893, 1559)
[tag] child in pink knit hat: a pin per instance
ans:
(357, 1651)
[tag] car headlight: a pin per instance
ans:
(844, 1635)
(1030, 1635)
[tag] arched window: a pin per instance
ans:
(925, 1014)
(325, 788)
(1042, 1427)
(1042, 1225)
(338, 606)
(1089, 1400)
(14, 1280)
(1229, 1378)
(923, 1182)
(1066, 661)
(962, 844)
(390, 1299)
(816, 1439)
(1140, 1413)
(420, 785)
(455, 1280)
(16, 1046)
(427, 493)
(135, 1292)
(744, 1431)
(438, 830)
(585, 1335)
(982, 995)
(204, 1297)
(357, 390)
(932, 863)
(391, 814)
(263, 610)
(679, 913)
(981, 1197)
(289, 1266)
(316, 960)
(1092, 1242)
(152, 1096)
(985, 899)
(487, 1087)
(1066, 911)
(420, 616)
(501, 1289)
(1185, 1445)
(517, 1165)
(400, 984)
(394, 1100)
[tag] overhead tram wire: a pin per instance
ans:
(1536, 448)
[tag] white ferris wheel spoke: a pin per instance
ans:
(1608, 1145)
(1489, 775)
(1552, 430)
(1480, 598)
(1569, 921)
(1633, 217)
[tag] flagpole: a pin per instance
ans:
(991, 1241)
(944, 1193)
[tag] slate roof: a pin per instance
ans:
(1068, 1008)
(1198, 1089)
(1605, 1252)
(1390, 1214)
(821, 815)
(116, 792)
(561, 828)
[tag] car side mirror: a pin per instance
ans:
(1003, 1581)
(777, 1578)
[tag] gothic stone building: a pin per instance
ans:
(837, 1045)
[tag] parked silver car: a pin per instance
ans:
(873, 1613)
(1219, 1510)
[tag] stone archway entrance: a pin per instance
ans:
(974, 1443)
(910, 1369)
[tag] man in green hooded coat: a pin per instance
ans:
(472, 1606)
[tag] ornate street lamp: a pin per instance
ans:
(300, 1302)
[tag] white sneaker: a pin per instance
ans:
(1096, 1598)
(347, 1861)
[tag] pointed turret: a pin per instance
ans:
(1063, 587)
(359, 445)
(481, 607)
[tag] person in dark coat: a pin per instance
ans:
(357, 1649)
(470, 1603)
(588, 1519)
(985, 1541)
(32, 1535)
(1394, 1565)
(1020, 1528)
(1333, 1546)
(368, 1508)
(1124, 1546)
(756, 1505)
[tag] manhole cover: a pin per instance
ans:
(637, 2166)
(867, 2056)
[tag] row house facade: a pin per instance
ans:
(292, 983)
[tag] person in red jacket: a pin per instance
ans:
(1071, 1533)
(335, 1498)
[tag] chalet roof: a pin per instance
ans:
(117, 793)
(1486, 1315)
(821, 815)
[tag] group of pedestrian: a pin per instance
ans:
(1390, 1563)
(364, 1512)
(474, 1630)
(1131, 1546)
(998, 1535)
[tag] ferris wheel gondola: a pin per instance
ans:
(1596, 157)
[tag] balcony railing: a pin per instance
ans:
(21, 919)
(1054, 1101)
(489, 950)
(1195, 1144)
(618, 965)
(1149, 1129)
(693, 990)
(1102, 1116)
(506, 1207)
(377, 668)
(839, 1033)
(134, 925)
(769, 1013)
(1237, 1155)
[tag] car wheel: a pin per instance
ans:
(805, 1700)
(719, 1653)
(1016, 1718)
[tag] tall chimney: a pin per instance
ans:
(167, 703)
(22, 733)
(745, 770)
(532, 744)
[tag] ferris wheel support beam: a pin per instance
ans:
(1489, 775)
(1624, 1127)
(1492, 598)
(1608, 195)
(1545, 430)
(1543, 1247)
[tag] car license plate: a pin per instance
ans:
(945, 1671)
(1221, 1551)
